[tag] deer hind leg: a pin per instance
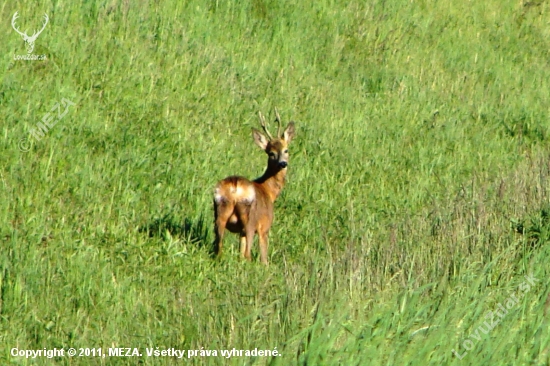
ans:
(247, 235)
(249, 240)
(222, 212)
(264, 243)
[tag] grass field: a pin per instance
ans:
(416, 204)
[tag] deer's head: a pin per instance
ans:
(29, 41)
(275, 148)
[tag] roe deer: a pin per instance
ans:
(246, 207)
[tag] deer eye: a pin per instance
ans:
(286, 151)
(271, 154)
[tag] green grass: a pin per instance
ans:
(417, 195)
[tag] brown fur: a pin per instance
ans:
(246, 207)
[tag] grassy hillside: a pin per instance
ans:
(417, 197)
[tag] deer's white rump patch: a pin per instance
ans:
(245, 194)
(235, 194)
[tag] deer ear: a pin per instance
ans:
(288, 135)
(259, 139)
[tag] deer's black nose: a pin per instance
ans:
(283, 164)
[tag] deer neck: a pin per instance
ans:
(273, 181)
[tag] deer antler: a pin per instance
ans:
(278, 119)
(262, 122)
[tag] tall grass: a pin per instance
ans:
(417, 197)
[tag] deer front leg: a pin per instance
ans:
(243, 244)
